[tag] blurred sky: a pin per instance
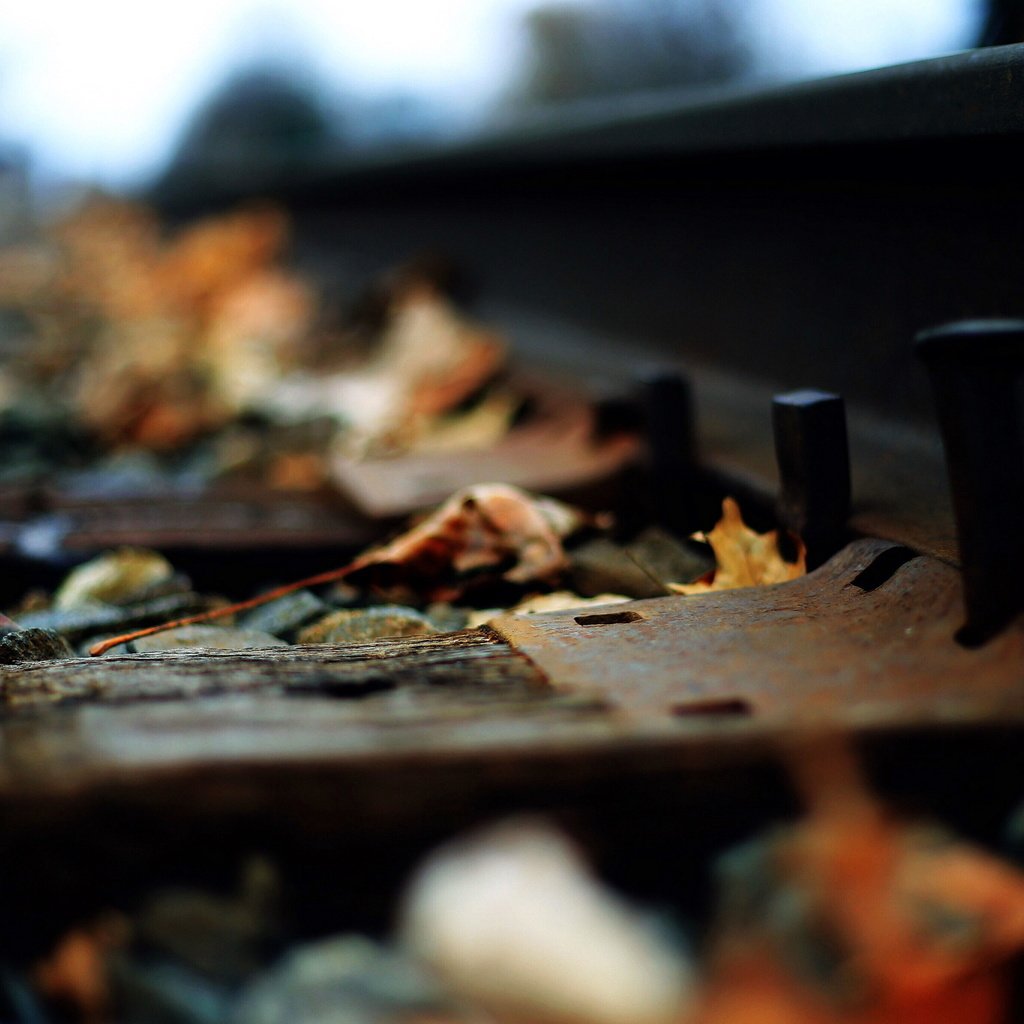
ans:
(102, 89)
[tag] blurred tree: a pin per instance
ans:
(260, 113)
(266, 121)
(614, 46)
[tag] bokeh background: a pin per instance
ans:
(113, 92)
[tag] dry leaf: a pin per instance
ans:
(484, 533)
(216, 254)
(153, 342)
(539, 604)
(252, 336)
(744, 557)
(478, 428)
(440, 357)
(75, 973)
(488, 528)
(853, 917)
(430, 360)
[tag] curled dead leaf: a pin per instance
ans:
(490, 531)
(744, 557)
(495, 528)
(75, 973)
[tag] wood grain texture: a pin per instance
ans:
(470, 657)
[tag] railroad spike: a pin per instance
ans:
(813, 456)
(976, 368)
(666, 401)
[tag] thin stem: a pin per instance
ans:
(331, 576)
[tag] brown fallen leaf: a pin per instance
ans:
(214, 255)
(429, 360)
(744, 557)
(493, 529)
(75, 973)
(761, 992)
(855, 917)
(476, 429)
(181, 334)
(440, 356)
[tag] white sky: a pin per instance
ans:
(847, 35)
(100, 88)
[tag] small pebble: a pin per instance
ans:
(342, 595)
(352, 625)
(174, 585)
(286, 615)
(33, 645)
(148, 990)
(90, 619)
(638, 569)
(447, 617)
(601, 566)
(224, 937)
(667, 558)
(345, 980)
(512, 920)
(116, 577)
(220, 638)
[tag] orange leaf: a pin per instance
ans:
(744, 557)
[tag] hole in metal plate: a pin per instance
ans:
(725, 707)
(607, 618)
(882, 569)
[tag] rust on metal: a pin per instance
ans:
(844, 645)
(865, 643)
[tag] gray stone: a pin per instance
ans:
(286, 615)
(33, 645)
(603, 567)
(226, 938)
(115, 577)
(78, 623)
(347, 980)
(668, 559)
(164, 993)
(353, 625)
(342, 595)
(447, 617)
(175, 585)
(221, 638)
(638, 569)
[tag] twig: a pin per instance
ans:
(331, 576)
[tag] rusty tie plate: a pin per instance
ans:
(867, 639)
